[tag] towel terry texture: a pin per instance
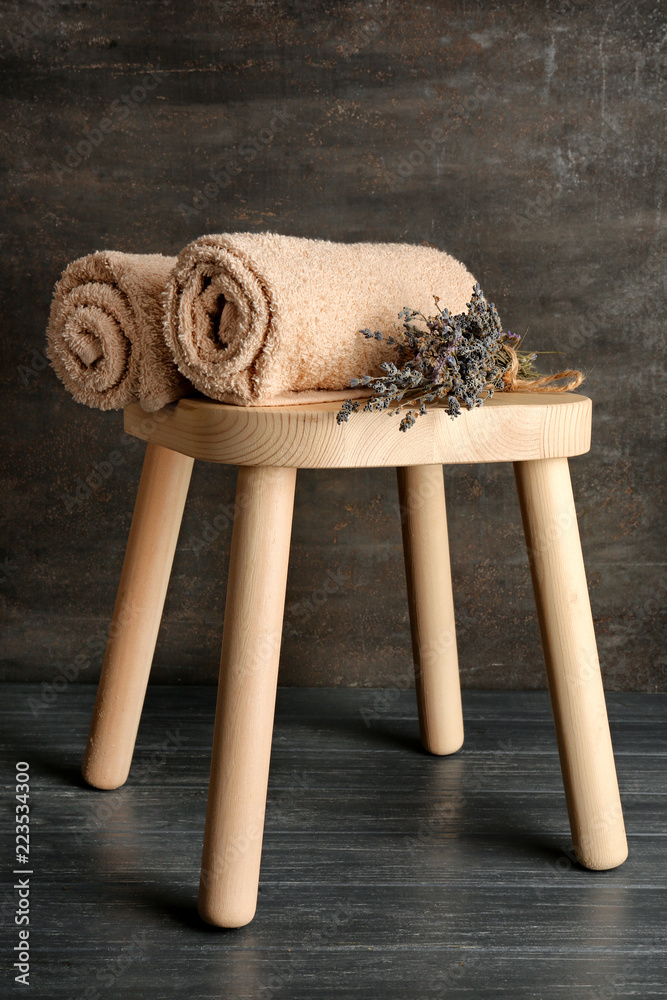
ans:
(259, 319)
(105, 336)
(245, 318)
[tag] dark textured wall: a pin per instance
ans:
(317, 120)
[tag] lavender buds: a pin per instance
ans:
(459, 359)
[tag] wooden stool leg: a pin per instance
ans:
(573, 669)
(426, 549)
(246, 695)
(136, 618)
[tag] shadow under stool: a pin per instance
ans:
(537, 432)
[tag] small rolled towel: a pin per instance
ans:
(105, 337)
(259, 319)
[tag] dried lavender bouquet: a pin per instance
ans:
(461, 359)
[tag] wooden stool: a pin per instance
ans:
(537, 432)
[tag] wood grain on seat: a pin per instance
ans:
(510, 427)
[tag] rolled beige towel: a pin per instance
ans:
(260, 319)
(105, 337)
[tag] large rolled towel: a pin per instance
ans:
(260, 319)
(105, 337)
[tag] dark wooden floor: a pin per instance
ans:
(386, 873)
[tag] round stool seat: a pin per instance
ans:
(509, 427)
